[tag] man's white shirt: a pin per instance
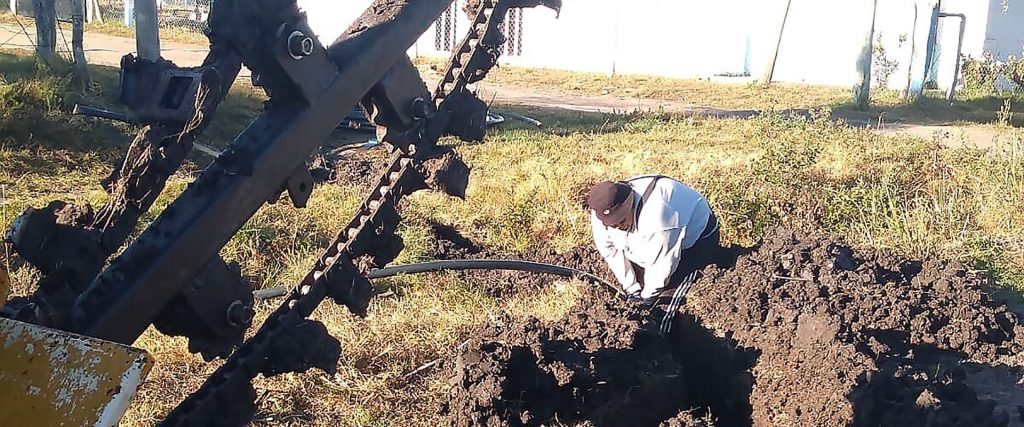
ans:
(670, 221)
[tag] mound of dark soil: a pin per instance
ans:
(801, 331)
(860, 338)
(604, 364)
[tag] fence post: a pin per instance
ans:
(97, 15)
(46, 29)
(862, 89)
(78, 42)
(14, 7)
(147, 30)
(129, 13)
(769, 71)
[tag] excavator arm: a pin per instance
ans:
(172, 276)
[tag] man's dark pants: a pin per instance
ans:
(704, 252)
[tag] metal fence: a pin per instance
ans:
(24, 8)
(183, 15)
(451, 26)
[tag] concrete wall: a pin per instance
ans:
(1004, 35)
(701, 38)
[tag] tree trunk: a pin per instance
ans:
(78, 41)
(97, 15)
(769, 71)
(46, 30)
(862, 90)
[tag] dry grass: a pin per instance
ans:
(906, 194)
(780, 96)
(886, 105)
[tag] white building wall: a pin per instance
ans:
(822, 41)
(1004, 36)
(699, 38)
(977, 12)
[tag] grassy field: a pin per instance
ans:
(781, 96)
(904, 194)
(886, 105)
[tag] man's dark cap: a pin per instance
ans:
(611, 201)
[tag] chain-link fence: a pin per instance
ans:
(24, 8)
(182, 15)
(20, 34)
(186, 15)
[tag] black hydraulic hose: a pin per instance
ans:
(462, 264)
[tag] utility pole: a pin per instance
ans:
(78, 8)
(147, 30)
(769, 71)
(46, 30)
(862, 90)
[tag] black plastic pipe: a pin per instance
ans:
(458, 265)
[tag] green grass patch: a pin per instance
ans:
(900, 193)
(686, 91)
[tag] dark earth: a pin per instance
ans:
(801, 331)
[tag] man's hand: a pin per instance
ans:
(634, 289)
(637, 299)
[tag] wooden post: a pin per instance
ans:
(97, 14)
(862, 90)
(46, 30)
(129, 13)
(78, 42)
(14, 7)
(769, 71)
(147, 30)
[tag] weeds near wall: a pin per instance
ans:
(883, 66)
(978, 76)
(1013, 70)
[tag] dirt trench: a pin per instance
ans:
(800, 331)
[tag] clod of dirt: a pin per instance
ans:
(446, 172)
(603, 363)
(349, 166)
(858, 338)
(687, 419)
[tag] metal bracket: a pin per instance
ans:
(159, 92)
(304, 60)
(300, 186)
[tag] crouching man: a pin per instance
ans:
(656, 234)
